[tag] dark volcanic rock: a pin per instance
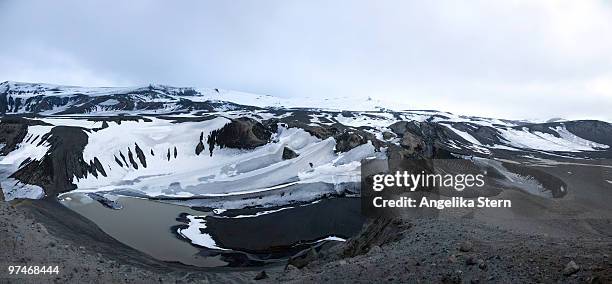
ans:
(399, 127)
(241, 133)
(433, 135)
(33, 104)
(118, 162)
(96, 167)
(13, 131)
(63, 161)
(321, 132)
(423, 140)
(484, 134)
(388, 135)
(592, 130)
(348, 140)
(11, 134)
(3, 103)
(124, 160)
(131, 158)
(289, 154)
(140, 155)
(487, 135)
(302, 119)
(412, 142)
(199, 148)
(375, 232)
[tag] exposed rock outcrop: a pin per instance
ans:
(131, 158)
(592, 130)
(289, 154)
(13, 131)
(11, 134)
(200, 147)
(62, 163)
(421, 140)
(241, 133)
(140, 155)
(375, 232)
(348, 140)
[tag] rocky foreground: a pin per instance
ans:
(391, 250)
(27, 241)
(461, 251)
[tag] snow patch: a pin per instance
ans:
(334, 238)
(109, 102)
(194, 233)
(14, 189)
(567, 142)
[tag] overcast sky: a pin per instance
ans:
(509, 59)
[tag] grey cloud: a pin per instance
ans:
(516, 59)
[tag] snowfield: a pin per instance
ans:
(225, 172)
(145, 140)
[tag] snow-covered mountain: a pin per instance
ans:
(19, 98)
(230, 149)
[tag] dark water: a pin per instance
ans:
(286, 230)
(246, 237)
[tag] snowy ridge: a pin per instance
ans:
(162, 149)
(169, 95)
(25, 90)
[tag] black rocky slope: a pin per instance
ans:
(63, 162)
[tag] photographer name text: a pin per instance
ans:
(422, 181)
